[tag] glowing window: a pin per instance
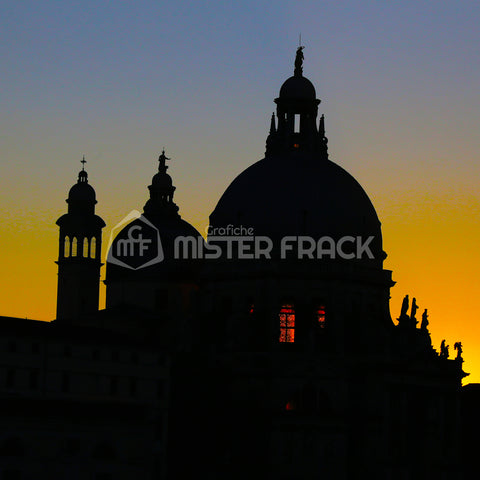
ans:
(66, 252)
(85, 248)
(290, 405)
(73, 251)
(320, 316)
(287, 324)
(93, 247)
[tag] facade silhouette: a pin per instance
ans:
(284, 364)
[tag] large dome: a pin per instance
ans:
(299, 195)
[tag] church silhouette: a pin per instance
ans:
(266, 351)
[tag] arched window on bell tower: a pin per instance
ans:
(74, 247)
(66, 247)
(93, 246)
(85, 248)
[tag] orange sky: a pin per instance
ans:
(399, 89)
(431, 241)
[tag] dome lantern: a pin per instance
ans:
(297, 108)
(161, 190)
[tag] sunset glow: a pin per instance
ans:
(119, 82)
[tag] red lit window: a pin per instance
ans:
(320, 316)
(290, 405)
(287, 324)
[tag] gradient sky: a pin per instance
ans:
(119, 80)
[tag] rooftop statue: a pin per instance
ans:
(299, 61)
(414, 310)
(424, 323)
(404, 310)
(458, 347)
(443, 350)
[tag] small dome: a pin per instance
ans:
(162, 180)
(82, 192)
(81, 207)
(169, 265)
(298, 87)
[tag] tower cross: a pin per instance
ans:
(83, 162)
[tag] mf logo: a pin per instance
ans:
(135, 243)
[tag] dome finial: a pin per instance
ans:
(83, 175)
(162, 167)
(298, 72)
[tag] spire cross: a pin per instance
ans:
(83, 162)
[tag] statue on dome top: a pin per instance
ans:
(299, 61)
(162, 159)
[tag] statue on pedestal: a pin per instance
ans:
(424, 324)
(404, 310)
(458, 347)
(443, 350)
(299, 62)
(414, 311)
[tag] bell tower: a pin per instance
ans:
(79, 251)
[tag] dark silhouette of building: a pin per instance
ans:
(79, 250)
(229, 359)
